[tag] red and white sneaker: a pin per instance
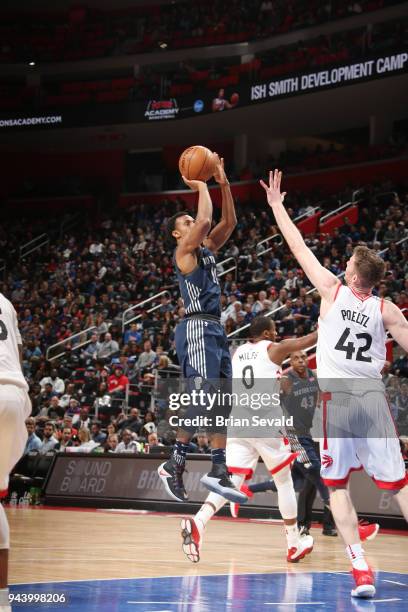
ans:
(364, 580)
(367, 531)
(192, 539)
(304, 547)
(234, 508)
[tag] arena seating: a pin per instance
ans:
(83, 33)
(92, 275)
(197, 77)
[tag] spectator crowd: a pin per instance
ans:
(103, 391)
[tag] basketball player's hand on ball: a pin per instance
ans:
(194, 185)
(273, 192)
(219, 172)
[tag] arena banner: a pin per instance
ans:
(336, 76)
(121, 480)
(205, 102)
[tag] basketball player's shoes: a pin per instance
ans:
(367, 531)
(234, 508)
(219, 481)
(171, 476)
(303, 548)
(364, 580)
(191, 534)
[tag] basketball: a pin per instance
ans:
(234, 99)
(197, 163)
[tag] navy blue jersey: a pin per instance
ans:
(301, 401)
(200, 289)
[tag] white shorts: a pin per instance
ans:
(380, 457)
(243, 454)
(15, 407)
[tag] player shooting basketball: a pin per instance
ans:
(201, 343)
(351, 345)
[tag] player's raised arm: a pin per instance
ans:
(202, 224)
(396, 324)
(278, 352)
(324, 281)
(223, 230)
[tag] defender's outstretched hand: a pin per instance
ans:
(194, 185)
(219, 173)
(273, 192)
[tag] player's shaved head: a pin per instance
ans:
(298, 362)
(261, 327)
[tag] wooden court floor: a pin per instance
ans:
(64, 544)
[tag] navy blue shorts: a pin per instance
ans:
(202, 349)
(205, 361)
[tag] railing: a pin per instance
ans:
(76, 341)
(277, 238)
(33, 245)
(110, 404)
(233, 268)
(305, 215)
(273, 237)
(69, 222)
(336, 211)
(270, 313)
(127, 321)
(396, 243)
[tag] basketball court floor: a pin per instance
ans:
(101, 560)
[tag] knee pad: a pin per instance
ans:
(283, 476)
(4, 530)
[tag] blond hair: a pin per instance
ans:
(369, 266)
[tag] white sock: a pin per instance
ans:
(210, 507)
(356, 555)
(292, 535)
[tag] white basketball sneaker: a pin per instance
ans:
(303, 548)
(191, 533)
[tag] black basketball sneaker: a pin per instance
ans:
(171, 475)
(219, 481)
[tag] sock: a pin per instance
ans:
(268, 485)
(179, 453)
(214, 502)
(210, 507)
(218, 455)
(356, 555)
(292, 535)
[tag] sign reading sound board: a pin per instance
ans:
(130, 478)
